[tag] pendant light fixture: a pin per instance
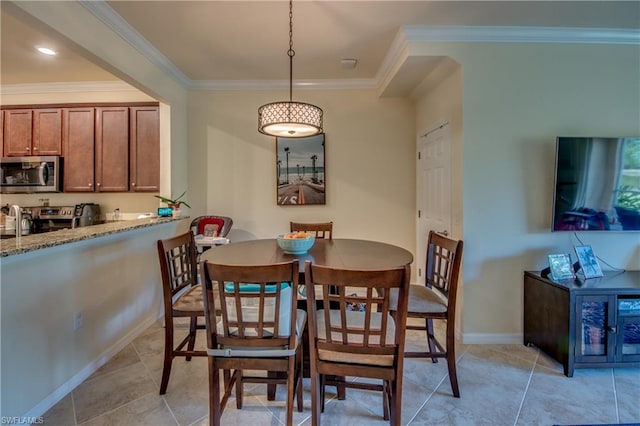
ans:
(288, 118)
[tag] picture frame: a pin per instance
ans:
(561, 267)
(588, 261)
(300, 171)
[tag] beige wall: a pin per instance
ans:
(516, 99)
(369, 150)
(443, 103)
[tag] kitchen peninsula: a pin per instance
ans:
(27, 243)
(70, 300)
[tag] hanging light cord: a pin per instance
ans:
(291, 53)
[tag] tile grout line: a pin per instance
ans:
(526, 388)
(435, 389)
(615, 395)
(146, 367)
(73, 409)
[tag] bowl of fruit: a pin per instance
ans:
(296, 242)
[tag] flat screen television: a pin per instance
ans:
(597, 184)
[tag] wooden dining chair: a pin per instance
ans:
(319, 230)
(365, 342)
(260, 329)
(436, 299)
(182, 298)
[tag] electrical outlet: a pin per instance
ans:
(78, 320)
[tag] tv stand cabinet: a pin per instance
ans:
(584, 323)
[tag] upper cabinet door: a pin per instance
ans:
(145, 149)
(112, 149)
(47, 131)
(17, 139)
(79, 136)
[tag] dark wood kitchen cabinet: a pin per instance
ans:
(47, 131)
(18, 125)
(144, 151)
(79, 149)
(106, 147)
(32, 132)
(112, 149)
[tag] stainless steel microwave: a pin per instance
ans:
(24, 175)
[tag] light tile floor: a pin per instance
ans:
(499, 385)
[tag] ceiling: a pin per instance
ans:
(220, 41)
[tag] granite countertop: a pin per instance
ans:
(27, 243)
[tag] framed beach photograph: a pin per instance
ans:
(588, 262)
(300, 166)
(561, 267)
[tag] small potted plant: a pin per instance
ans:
(174, 203)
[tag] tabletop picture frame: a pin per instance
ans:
(588, 261)
(561, 267)
(300, 164)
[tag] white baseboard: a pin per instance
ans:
(491, 338)
(57, 395)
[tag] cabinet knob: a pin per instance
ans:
(98, 184)
(28, 149)
(35, 149)
(90, 185)
(133, 184)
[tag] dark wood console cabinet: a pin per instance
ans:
(584, 323)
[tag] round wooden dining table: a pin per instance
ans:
(335, 253)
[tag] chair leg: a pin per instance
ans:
(431, 338)
(386, 399)
(239, 390)
(168, 355)
(215, 410)
(323, 385)
(298, 378)
(291, 381)
(271, 387)
(395, 395)
(193, 325)
(341, 389)
(451, 363)
(315, 398)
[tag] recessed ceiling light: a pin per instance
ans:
(46, 51)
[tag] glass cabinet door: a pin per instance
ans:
(594, 317)
(628, 343)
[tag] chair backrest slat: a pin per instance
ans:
(178, 263)
(358, 319)
(258, 304)
(443, 263)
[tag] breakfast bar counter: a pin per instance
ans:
(28, 243)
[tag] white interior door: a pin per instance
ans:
(434, 188)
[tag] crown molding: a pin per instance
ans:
(414, 33)
(101, 10)
(283, 84)
(70, 87)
